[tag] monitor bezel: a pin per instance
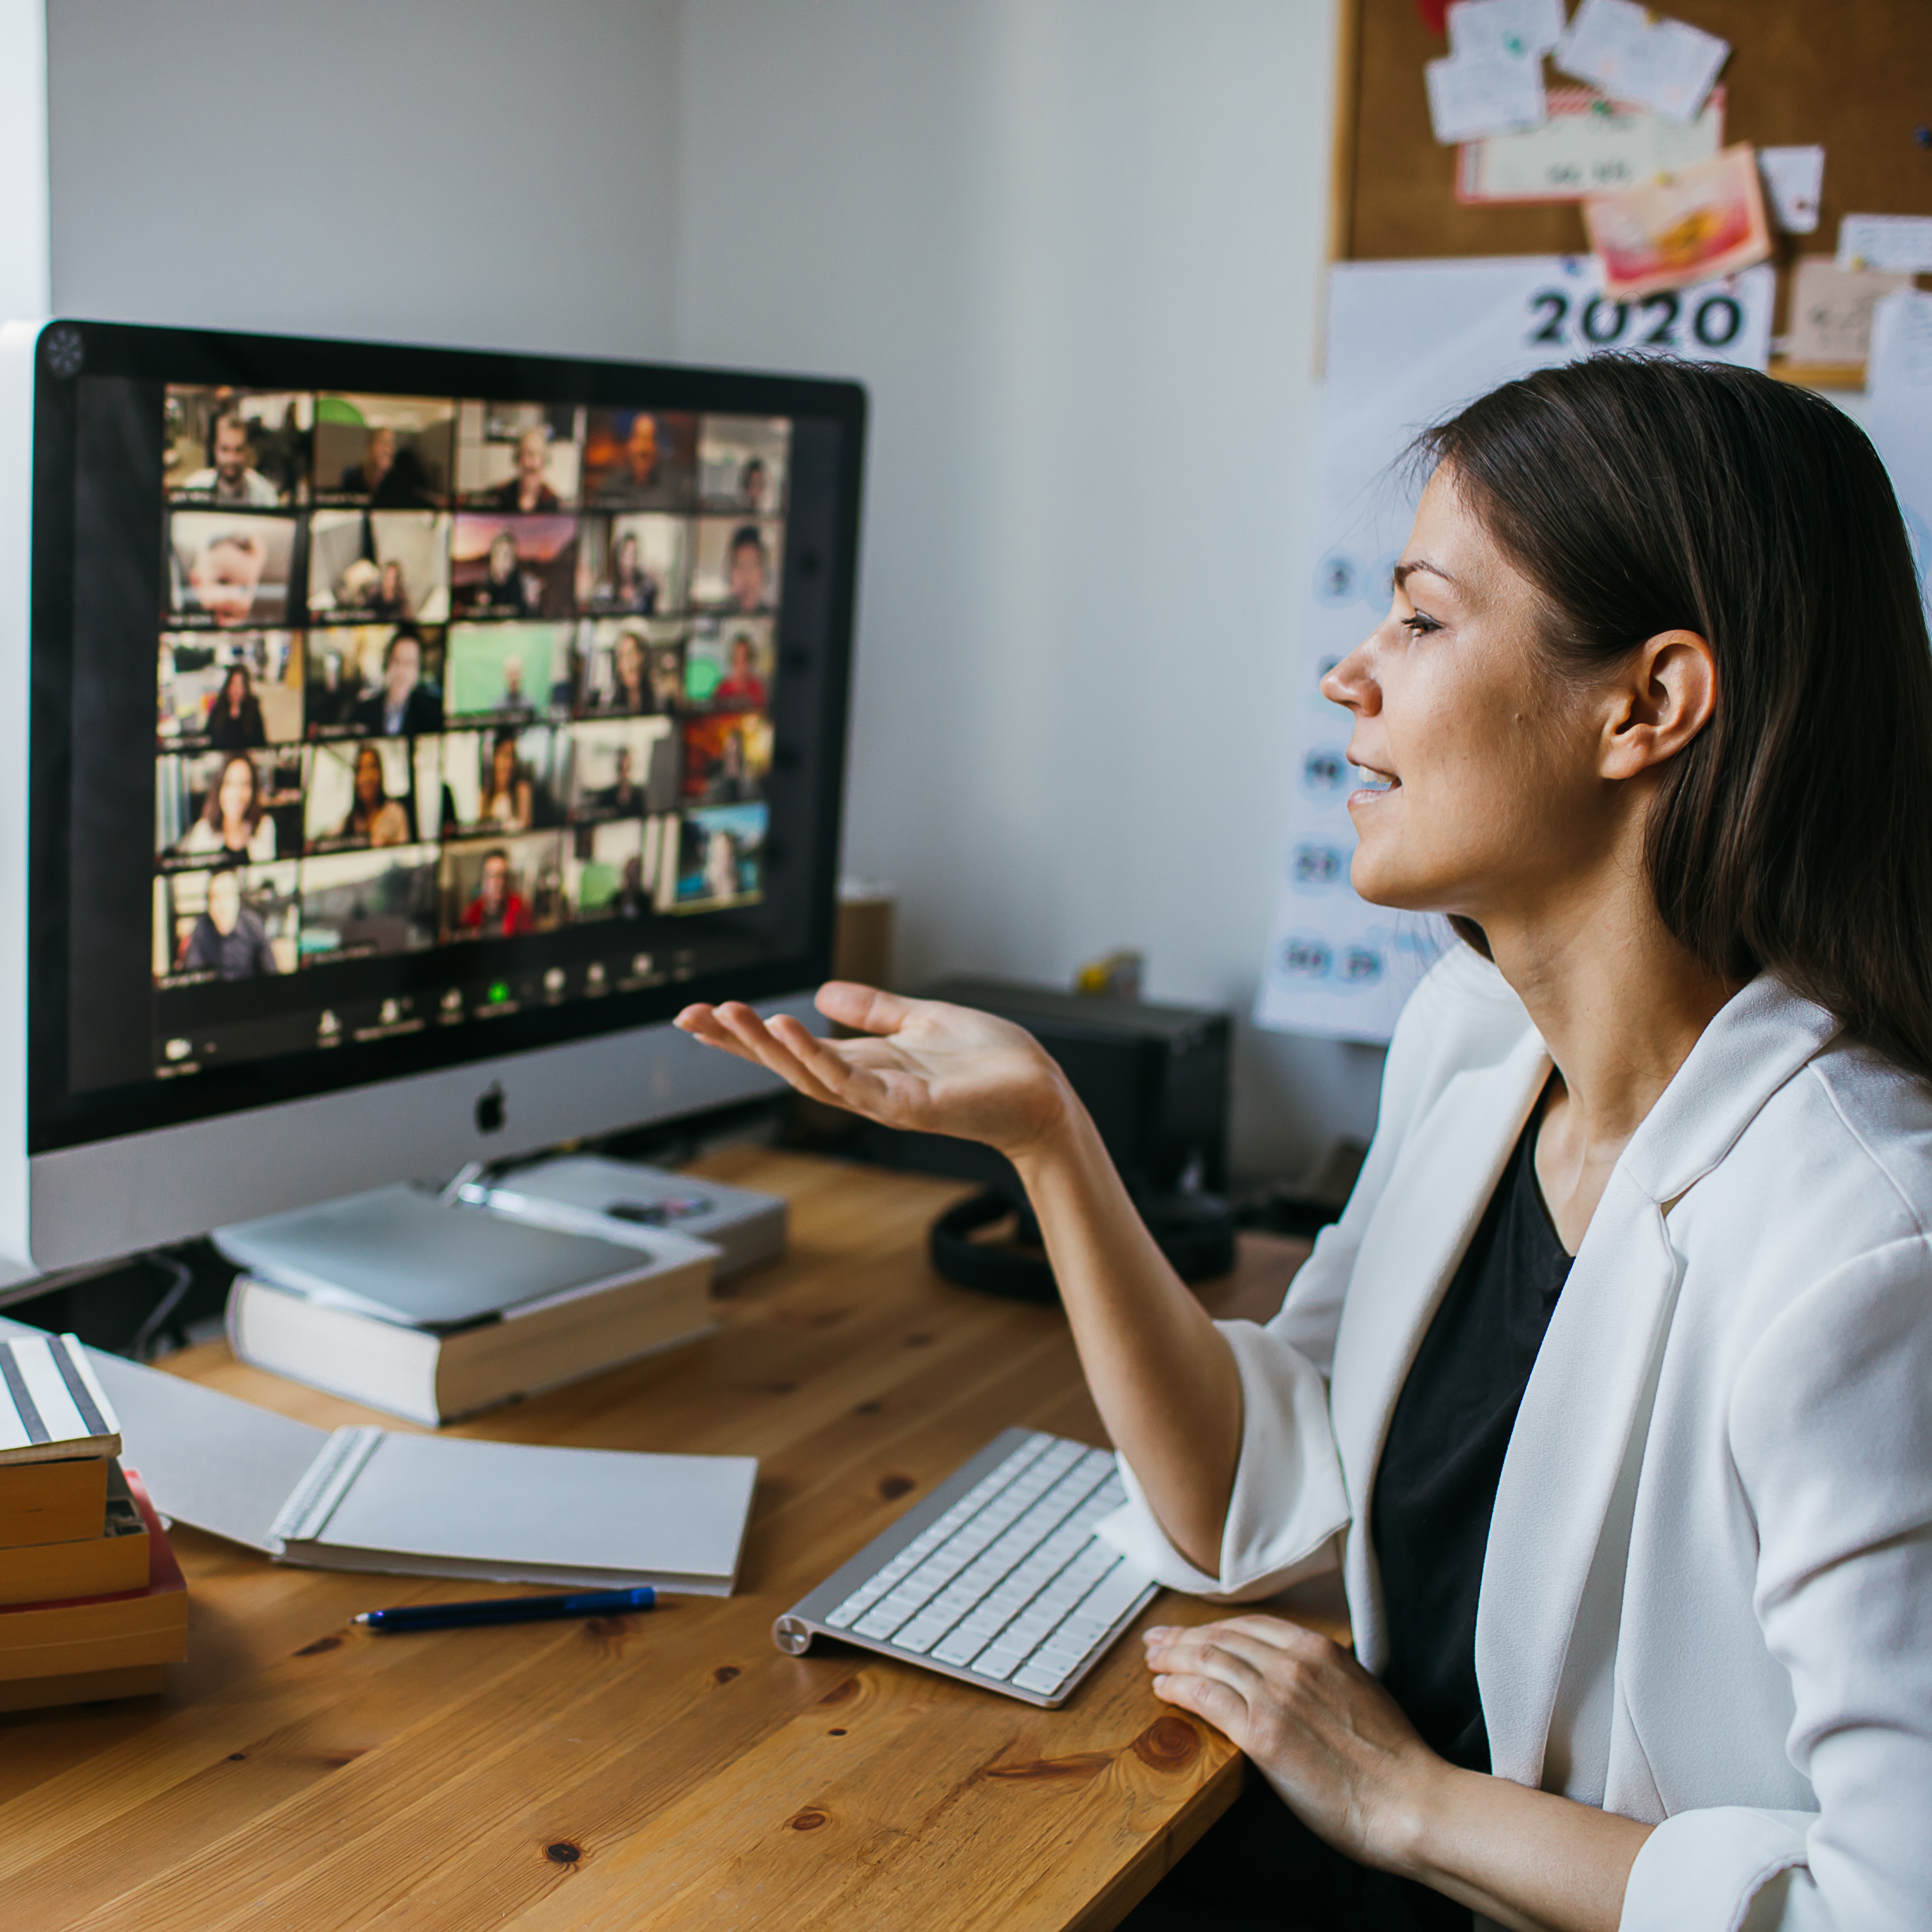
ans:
(59, 1119)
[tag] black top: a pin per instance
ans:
(1436, 1487)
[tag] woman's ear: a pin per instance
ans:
(1663, 697)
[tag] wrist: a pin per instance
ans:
(1054, 1142)
(1420, 1823)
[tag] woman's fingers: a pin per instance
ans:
(701, 1023)
(855, 1086)
(1214, 1651)
(745, 1026)
(1220, 1704)
(865, 1009)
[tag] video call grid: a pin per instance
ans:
(528, 687)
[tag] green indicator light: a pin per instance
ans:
(499, 993)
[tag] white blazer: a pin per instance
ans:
(1706, 1602)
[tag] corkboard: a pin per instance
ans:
(1853, 76)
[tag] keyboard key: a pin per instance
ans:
(998, 1662)
(1111, 1597)
(960, 1648)
(1046, 1679)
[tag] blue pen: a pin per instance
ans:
(509, 1610)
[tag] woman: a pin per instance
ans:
(630, 693)
(632, 587)
(390, 599)
(235, 718)
(508, 800)
(234, 820)
(502, 593)
(374, 817)
(1611, 1393)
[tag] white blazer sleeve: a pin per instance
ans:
(1289, 1496)
(1830, 1430)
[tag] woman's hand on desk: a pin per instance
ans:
(1344, 1760)
(928, 1067)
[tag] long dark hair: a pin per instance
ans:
(1793, 834)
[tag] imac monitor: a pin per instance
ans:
(402, 735)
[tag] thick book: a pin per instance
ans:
(624, 1201)
(115, 1558)
(52, 1502)
(128, 1629)
(432, 1505)
(52, 1409)
(432, 1311)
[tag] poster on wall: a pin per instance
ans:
(1408, 342)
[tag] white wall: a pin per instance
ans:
(1073, 248)
(23, 158)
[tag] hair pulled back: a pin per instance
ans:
(1793, 834)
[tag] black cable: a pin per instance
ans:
(162, 1310)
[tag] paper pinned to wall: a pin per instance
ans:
(1619, 47)
(1488, 29)
(1470, 98)
(1831, 310)
(1588, 145)
(1409, 342)
(1794, 179)
(1898, 382)
(1894, 245)
(1703, 221)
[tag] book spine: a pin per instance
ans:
(305, 1515)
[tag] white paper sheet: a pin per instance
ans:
(1794, 183)
(1408, 343)
(1898, 244)
(1667, 64)
(1470, 98)
(1586, 147)
(1898, 385)
(1483, 29)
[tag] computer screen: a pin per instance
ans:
(393, 708)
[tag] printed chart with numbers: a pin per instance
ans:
(1408, 342)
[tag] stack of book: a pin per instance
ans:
(92, 1603)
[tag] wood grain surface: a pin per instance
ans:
(670, 1770)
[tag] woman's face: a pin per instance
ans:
(368, 776)
(1486, 795)
(234, 691)
(627, 557)
(237, 790)
(502, 555)
(503, 766)
(630, 662)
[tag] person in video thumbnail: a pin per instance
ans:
(233, 821)
(753, 484)
(392, 479)
(667, 676)
(527, 490)
(226, 570)
(391, 598)
(731, 783)
(235, 718)
(228, 939)
(515, 702)
(379, 458)
(632, 587)
(405, 707)
(721, 866)
(741, 689)
(503, 593)
(624, 796)
(509, 797)
(631, 691)
(234, 478)
(496, 912)
(749, 565)
(638, 468)
(375, 817)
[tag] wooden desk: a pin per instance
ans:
(668, 1770)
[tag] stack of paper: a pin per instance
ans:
(92, 1603)
(1492, 81)
(1626, 51)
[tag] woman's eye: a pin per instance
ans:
(1417, 626)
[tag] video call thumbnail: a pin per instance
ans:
(496, 888)
(741, 464)
(636, 669)
(228, 807)
(639, 460)
(375, 564)
(514, 566)
(372, 791)
(510, 671)
(727, 755)
(237, 922)
(389, 452)
(374, 680)
(519, 457)
(721, 859)
(231, 569)
(636, 564)
(609, 871)
(499, 781)
(735, 565)
(243, 449)
(621, 769)
(355, 905)
(231, 693)
(729, 664)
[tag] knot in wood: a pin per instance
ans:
(1167, 1744)
(321, 1644)
(892, 1487)
(724, 1673)
(563, 1853)
(807, 1821)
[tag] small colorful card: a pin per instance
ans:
(1704, 221)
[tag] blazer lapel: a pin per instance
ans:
(1434, 1197)
(1586, 1410)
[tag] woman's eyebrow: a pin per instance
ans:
(1403, 572)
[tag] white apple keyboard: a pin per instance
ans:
(997, 1578)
